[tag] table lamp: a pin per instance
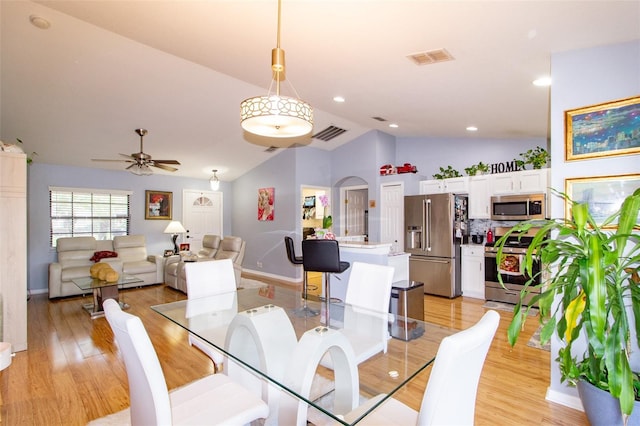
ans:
(174, 227)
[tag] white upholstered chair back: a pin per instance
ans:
(147, 388)
(209, 278)
(450, 396)
(367, 300)
(214, 277)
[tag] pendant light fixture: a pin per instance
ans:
(214, 181)
(272, 115)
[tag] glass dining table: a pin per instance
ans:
(304, 369)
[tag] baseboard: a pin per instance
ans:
(38, 291)
(561, 398)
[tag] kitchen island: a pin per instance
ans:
(368, 252)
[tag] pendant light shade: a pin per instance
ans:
(214, 181)
(274, 115)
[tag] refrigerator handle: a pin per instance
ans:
(428, 227)
(423, 246)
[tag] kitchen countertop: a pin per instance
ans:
(364, 244)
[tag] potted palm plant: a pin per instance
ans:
(590, 293)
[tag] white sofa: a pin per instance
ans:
(74, 261)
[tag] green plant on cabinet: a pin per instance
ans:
(477, 168)
(537, 157)
(447, 173)
(592, 275)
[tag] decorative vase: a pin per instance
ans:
(602, 409)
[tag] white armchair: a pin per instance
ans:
(174, 268)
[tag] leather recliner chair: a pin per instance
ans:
(174, 267)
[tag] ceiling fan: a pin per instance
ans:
(141, 161)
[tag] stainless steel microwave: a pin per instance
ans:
(519, 207)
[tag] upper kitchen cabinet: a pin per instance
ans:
(522, 182)
(479, 197)
(459, 185)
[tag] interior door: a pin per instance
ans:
(392, 216)
(356, 204)
(201, 214)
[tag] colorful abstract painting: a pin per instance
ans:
(603, 130)
(266, 201)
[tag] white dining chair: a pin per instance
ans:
(214, 399)
(366, 312)
(211, 278)
(450, 396)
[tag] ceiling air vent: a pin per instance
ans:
(329, 133)
(431, 57)
(379, 118)
(271, 149)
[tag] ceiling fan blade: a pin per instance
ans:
(167, 162)
(133, 165)
(119, 161)
(127, 156)
(162, 166)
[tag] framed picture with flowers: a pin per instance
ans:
(158, 205)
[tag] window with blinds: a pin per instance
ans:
(102, 214)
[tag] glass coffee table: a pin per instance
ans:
(103, 290)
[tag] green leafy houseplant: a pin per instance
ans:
(589, 278)
(447, 173)
(477, 168)
(537, 157)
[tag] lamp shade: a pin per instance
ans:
(174, 227)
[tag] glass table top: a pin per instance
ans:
(250, 326)
(90, 283)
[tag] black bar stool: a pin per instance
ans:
(304, 311)
(323, 256)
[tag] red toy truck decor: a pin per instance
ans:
(388, 169)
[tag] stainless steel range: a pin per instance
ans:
(511, 268)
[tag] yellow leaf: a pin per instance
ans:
(573, 312)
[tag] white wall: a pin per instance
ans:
(582, 78)
(41, 176)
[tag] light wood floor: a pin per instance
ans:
(72, 372)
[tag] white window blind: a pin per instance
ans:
(77, 212)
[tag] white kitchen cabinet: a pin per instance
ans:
(479, 197)
(433, 186)
(473, 271)
(459, 185)
(522, 182)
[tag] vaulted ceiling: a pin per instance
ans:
(77, 90)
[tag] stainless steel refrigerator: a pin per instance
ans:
(436, 225)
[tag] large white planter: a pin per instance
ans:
(602, 409)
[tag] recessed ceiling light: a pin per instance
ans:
(472, 129)
(393, 125)
(542, 81)
(339, 99)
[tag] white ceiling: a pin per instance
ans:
(180, 69)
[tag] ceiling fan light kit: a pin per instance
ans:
(141, 162)
(276, 116)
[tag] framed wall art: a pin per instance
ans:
(603, 194)
(266, 203)
(158, 205)
(603, 130)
